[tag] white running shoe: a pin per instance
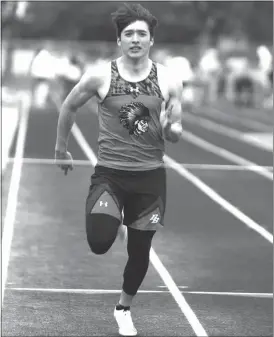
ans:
(125, 324)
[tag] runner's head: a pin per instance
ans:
(135, 27)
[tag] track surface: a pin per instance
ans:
(223, 268)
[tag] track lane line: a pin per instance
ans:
(117, 291)
(225, 131)
(256, 114)
(85, 162)
(251, 124)
(10, 118)
(13, 190)
(221, 152)
(212, 194)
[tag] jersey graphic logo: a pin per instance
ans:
(135, 117)
(103, 203)
(133, 91)
(155, 218)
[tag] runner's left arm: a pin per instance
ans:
(172, 112)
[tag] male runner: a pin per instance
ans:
(134, 120)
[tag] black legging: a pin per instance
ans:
(101, 232)
(138, 247)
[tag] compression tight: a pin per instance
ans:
(101, 230)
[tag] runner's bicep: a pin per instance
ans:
(84, 90)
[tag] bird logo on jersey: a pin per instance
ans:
(135, 117)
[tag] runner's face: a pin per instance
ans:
(135, 40)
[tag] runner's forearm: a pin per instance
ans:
(66, 120)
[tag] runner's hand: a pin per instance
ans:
(64, 160)
(171, 122)
(166, 117)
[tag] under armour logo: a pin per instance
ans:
(103, 203)
(135, 92)
(155, 218)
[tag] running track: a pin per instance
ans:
(220, 263)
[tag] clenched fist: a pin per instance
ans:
(64, 160)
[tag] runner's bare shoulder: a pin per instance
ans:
(98, 76)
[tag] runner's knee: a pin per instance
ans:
(103, 219)
(101, 230)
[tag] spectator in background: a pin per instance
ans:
(209, 67)
(70, 70)
(240, 81)
(244, 91)
(180, 68)
(265, 65)
(42, 72)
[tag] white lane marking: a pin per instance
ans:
(77, 162)
(51, 161)
(260, 139)
(116, 291)
(224, 293)
(190, 137)
(181, 287)
(251, 124)
(257, 115)
(13, 190)
(218, 167)
(156, 262)
(218, 199)
(84, 144)
(227, 131)
(9, 124)
(177, 295)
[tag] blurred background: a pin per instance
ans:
(222, 49)
(218, 240)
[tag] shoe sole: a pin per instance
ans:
(127, 334)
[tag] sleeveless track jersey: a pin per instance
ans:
(130, 133)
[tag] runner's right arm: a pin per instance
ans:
(85, 89)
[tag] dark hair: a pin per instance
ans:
(129, 13)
